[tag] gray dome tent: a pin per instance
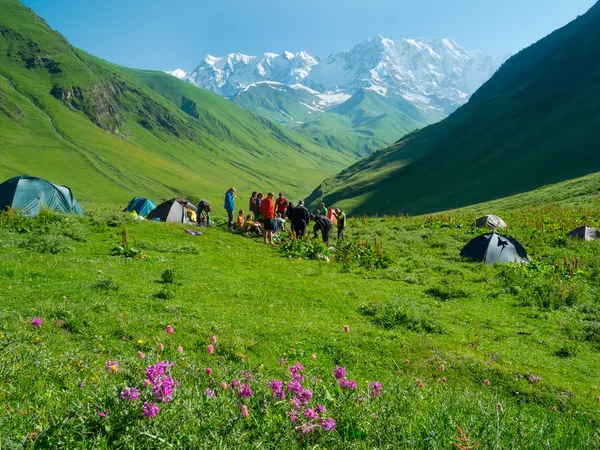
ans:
(586, 233)
(173, 211)
(491, 221)
(492, 248)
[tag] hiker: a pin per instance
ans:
(341, 222)
(300, 219)
(252, 205)
(324, 225)
(229, 206)
(280, 223)
(289, 212)
(267, 210)
(280, 204)
(240, 219)
(204, 208)
(322, 211)
(252, 226)
(259, 200)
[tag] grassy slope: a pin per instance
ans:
(493, 329)
(532, 124)
(144, 143)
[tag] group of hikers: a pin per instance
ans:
(268, 215)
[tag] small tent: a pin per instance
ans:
(174, 211)
(142, 206)
(492, 248)
(30, 194)
(586, 233)
(492, 222)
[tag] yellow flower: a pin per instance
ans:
(140, 341)
(113, 368)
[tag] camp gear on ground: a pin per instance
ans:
(493, 247)
(193, 232)
(30, 194)
(586, 233)
(172, 211)
(142, 206)
(491, 221)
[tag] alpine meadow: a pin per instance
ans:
(437, 288)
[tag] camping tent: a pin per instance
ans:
(171, 211)
(586, 233)
(492, 222)
(30, 194)
(492, 248)
(142, 206)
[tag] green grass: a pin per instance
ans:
(533, 124)
(499, 323)
(111, 133)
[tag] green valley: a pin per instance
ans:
(111, 133)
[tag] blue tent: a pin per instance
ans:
(30, 194)
(142, 206)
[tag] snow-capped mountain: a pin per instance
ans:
(179, 73)
(415, 68)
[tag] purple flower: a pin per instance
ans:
(374, 389)
(130, 394)
(209, 393)
(296, 368)
(103, 413)
(292, 416)
(276, 385)
(314, 379)
(305, 395)
(295, 402)
(320, 408)
(150, 409)
(282, 361)
(339, 372)
(162, 384)
(295, 385)
(328, 424)
(311, 414)
(36, 322)
(112, 366)
(347, 384)
(247, 376)
(245, 391)
(158, 370)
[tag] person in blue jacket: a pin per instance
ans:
(230, 207)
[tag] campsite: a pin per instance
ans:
(384, 243)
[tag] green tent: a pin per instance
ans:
(30, 194)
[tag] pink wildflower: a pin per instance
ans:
(147, 382)
(210, 349)
(406, 361)
(346, 328)
(375, 389)
(214, 339)
(311, 414)
(180, 349)
(328, 424)
(112, 366)
(130, 394)
(339, 372)
(141, 355)
(500, 407)
(161, 347)
(444, 380)
(598, 399)
(244, 411)
(169, 330)
(36, 322)
(103, 413)
(421, 385)
(208, 371)
(442, 368)
(314, 357)
(554, 409)
(150, 409)
(320, 408)
(487, 382)
(209, 393)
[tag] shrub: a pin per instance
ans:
(47, 243)
(168, 276)
(391, 314)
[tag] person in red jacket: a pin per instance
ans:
(267, 210)
(281, 204)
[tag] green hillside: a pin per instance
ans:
(362, 124)
(533, 124)
(111, 133)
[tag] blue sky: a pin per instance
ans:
(165, 34)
